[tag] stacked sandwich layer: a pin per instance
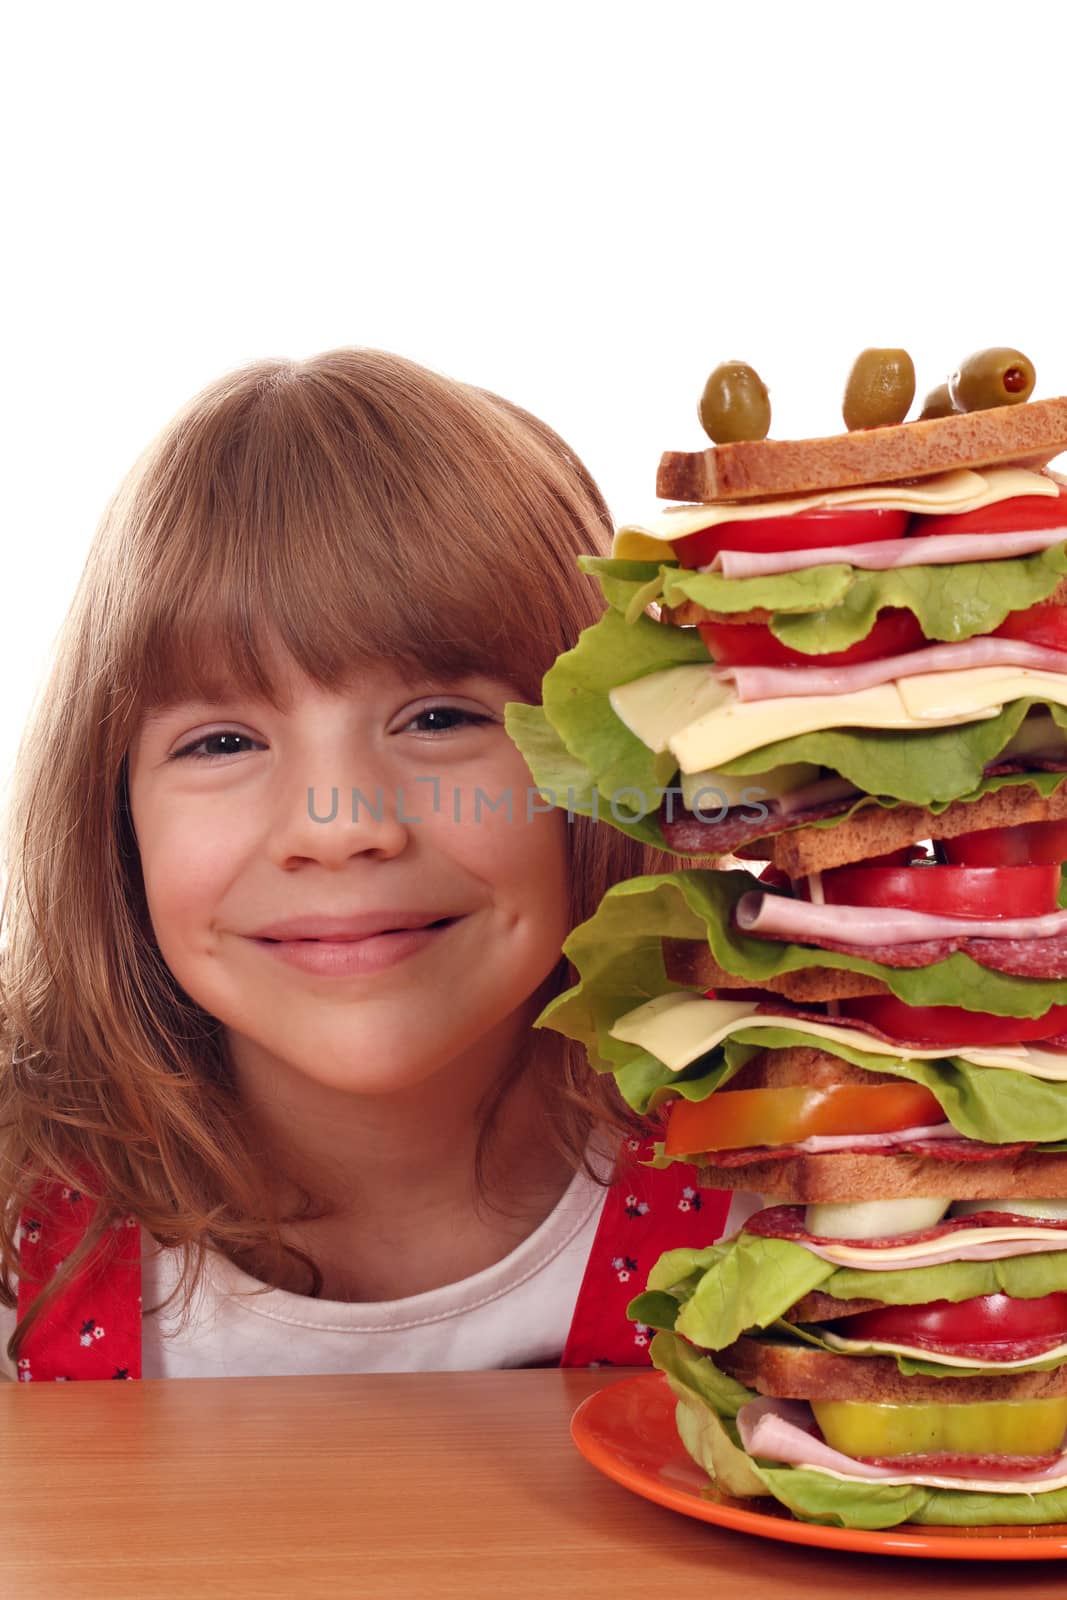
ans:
(861, 687)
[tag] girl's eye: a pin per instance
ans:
(447, 719)
(434, 719)
(197, 752)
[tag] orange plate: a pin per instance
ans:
(627, 1432)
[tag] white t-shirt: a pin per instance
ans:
(515, 1313)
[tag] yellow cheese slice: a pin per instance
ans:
(724, 727)
(662, 704)
(679, 1027)
(937, 695)
(947, 493)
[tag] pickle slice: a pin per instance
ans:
(990, 1427)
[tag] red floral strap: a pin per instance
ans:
(93, 1328)
(646, 1211)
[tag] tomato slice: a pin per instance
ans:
(991, 1319)
(1043, 624)
(953, 891)
(950, 1025)
(1007, 516)
(752, 644)
(1026, 844)
(804, 530)
(735, 1119)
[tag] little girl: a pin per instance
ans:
(275, 715)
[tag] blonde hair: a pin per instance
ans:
(359, 509)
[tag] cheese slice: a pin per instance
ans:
(875, 1256)
(946, 493)
(936, 695)
(705, 724)
(865, 1347)
(679, 1027)
(662, 704)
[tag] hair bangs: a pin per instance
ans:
(337, 526)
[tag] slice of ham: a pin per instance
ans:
(824, 1143)
(778, 916)
(786, 1431)
(777, 683)
(884, 555)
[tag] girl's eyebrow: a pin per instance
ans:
(227, 694)
(157, 714)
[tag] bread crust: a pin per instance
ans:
(689, 961)
(805, 1066)
(1027, 435)
(877, 829)
(847, 1175)
(801, 1372)
(819, 1307)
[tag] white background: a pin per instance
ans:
(582, 206)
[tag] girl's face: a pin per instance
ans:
(228, 802)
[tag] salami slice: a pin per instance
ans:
(961, 1149)
(688, 834)
(1019, 958)
(946, 1149)
(959, 1466)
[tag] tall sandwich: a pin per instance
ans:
(853, 675)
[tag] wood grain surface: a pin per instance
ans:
(419, 1485)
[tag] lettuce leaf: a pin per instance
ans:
(831, 607)
(566, 780)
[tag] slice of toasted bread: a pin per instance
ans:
(819, 1307)
(690, 961)
(802, 1065)
(1024, 435)
(858, 1175)
(802, 1372)
(875, 830)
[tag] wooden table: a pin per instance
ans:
(402, 1487)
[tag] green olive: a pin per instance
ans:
(998, 377)
(938, 403)
(880, 388)
(735, 404)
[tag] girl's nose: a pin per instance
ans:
(330, 823)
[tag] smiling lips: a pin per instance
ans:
(337, 929)
(346, 953)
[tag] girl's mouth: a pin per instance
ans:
(346, 957)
